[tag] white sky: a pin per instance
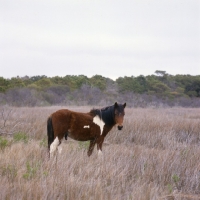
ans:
(111, 38)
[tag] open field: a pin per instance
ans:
(155, 156)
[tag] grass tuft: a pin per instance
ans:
(3, 143)
(20, 137)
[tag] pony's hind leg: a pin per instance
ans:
(60, 147)
(91, 147)
(54, 146)
(66, 135)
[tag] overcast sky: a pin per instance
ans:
(112, 38)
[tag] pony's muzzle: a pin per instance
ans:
(119, 127)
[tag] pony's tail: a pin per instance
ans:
(50, 132)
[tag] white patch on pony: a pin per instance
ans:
(60, 149)
(99, 122)
(100, 153)
(54, 145)
(86, 126)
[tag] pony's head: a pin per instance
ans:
(119, 114)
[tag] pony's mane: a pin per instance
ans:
(96, 111)
(105, 113)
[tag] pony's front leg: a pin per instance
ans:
(91, 147)
(99, 144)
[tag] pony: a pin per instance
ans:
(92, 126)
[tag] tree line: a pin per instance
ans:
(157, 89)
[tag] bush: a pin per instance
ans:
(31, 170)
(20, 136)
(3, 143)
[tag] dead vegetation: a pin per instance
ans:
(155, 156)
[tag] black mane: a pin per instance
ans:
(106, 114)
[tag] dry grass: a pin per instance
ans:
(155, 156)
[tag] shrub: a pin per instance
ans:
(20, 136)
(3, 143)
(31, 169)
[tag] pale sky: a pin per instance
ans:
(111, 38)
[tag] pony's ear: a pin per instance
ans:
(115, 105)
(124, 105)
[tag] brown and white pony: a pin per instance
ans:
(92, 126)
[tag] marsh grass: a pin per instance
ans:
(155, 156)
(3, 143)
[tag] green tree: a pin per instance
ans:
(157, 87)
(193, 88)
(16, 82)
(133, 84)
(98, 81)
(160, 72)
(43, 83)
(3, 84)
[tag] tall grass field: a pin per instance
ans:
(156, 156)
